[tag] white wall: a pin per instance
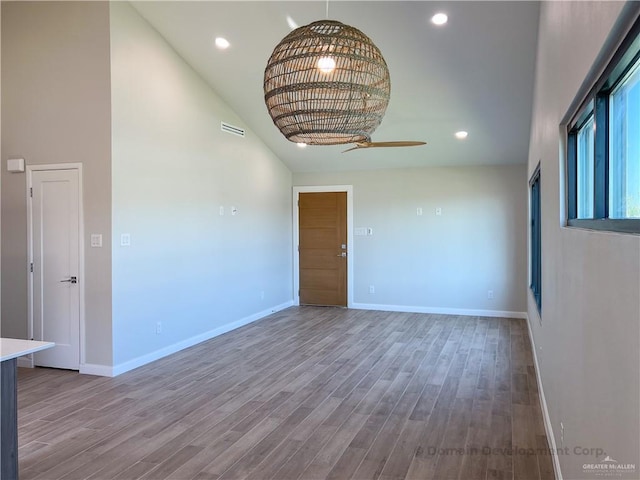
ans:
(587, 342)
(56, 109)
(187, 267)
(0, 175)
(435, 263)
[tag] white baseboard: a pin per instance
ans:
(102, 370)
(440, 310)
(95, 369)
(176, 347)
(545, 411)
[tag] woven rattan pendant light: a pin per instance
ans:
(326, 83)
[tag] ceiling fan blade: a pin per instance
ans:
(352, 148)
(395, 144)
(400, 143)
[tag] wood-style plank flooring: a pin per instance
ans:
(307, 393)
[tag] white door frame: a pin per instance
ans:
(56, 166)
(296, 235)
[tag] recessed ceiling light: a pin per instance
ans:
(222, 43)
(302, 145)
(439, 19)
(461, 134)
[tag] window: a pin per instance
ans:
(535, 260)
(624, 153)
(585, 170)
(603, 147)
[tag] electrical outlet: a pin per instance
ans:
(490, 294)
(158, 328)
(438, 211)
(372, 289)
(125, 240)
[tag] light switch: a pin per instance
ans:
(438, 211)
(125, 240)
(369, 231)
(419, 211)
(234, 211)
(96, 240)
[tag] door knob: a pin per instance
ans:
(70, 280)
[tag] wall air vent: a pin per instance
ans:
(226, 127)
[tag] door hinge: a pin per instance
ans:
(31, 267)
(31, 192)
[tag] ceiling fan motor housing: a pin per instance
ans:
(326, 83)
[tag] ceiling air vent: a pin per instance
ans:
(226, 127)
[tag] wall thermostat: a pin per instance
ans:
(15, 165)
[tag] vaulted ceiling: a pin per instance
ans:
(475, 73)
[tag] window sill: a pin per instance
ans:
(631, 225)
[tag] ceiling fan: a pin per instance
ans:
(400, 143)
(327, 83)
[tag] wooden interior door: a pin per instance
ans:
(323, 251)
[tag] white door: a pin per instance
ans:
(55, 236)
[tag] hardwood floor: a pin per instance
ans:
(308, 393)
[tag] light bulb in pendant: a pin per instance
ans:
(326, 64)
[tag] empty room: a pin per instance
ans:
(320, 240)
